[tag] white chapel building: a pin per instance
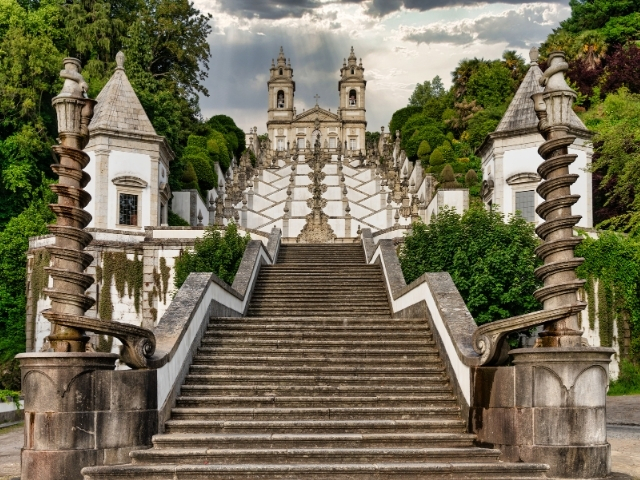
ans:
(129, 164)
(510, 157)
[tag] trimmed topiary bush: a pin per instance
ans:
(471, 178)
(436, 158)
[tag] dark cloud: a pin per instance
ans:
(269, 9)
(275, 9)
(519, 28)
(240, 62)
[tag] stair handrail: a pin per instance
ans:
(467, 344)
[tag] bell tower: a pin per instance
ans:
(281, 90)
(352, 86)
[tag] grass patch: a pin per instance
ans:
(628, 382)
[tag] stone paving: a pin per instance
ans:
(623, 418)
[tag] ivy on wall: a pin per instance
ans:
(39, 278)
(613, 260)
(126, 274)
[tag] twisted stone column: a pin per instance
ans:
(553, 107)
(68, 299)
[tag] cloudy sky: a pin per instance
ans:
(401, 43)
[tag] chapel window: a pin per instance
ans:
(352, 144)
(162, 213)
(525, 204)
(301, 144)
(352, 98)
(281, 72)
(128, 214)
(353, 71)
(332, 142)
(281, 144)
(280, 101)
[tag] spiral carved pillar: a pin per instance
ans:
(553, 107)
(68, 299)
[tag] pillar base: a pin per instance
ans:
(81, 412)
(547, 408)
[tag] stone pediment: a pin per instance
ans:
(316, 112)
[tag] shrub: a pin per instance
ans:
(628, 382)
(197, 141)
(400, 117)
(471, 178)
(490, 261)
(424, 149)
(206, 175)
(214, 252)
(436, 158)
(176, 220)
(447, 177)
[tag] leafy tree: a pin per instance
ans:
(482, 124)
(595, 14)
(490, 260)
(400, 117)
(622, 69)
(371, 139)
(14, 242)
(490, 85)
(616, 122)
(214, 252)
(463, 72)
(424, 92)
(515, 64)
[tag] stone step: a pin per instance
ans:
(256, 311)
(321, 370)
(318, 335)
(313, 426)
(310, 402)
(306, 295)
(321, 300)
(212, 357)
(335, 470)
(312, 440)
(323, 321)
(215, 326)
(312, 390)
(296, 456)
(426, 352)
(276, 378)
(320, 343)
(317, 413)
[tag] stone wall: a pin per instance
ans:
(141, 285)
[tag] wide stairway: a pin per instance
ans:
(319, 382)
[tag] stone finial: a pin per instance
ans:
(200, 217)
(534, 55)
(120, 61)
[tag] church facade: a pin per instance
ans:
(341, 130)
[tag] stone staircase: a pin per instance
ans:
(319, 382)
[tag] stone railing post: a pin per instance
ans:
(77, 409)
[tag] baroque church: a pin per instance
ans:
(288, 128)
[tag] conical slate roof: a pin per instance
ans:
(118, 106)
(520, 114)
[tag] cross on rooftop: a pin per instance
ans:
(317, 97)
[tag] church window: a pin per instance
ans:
(352, 98)
(280, 99)
(162, 210)
(128, 214)
(281, 144)
(281, 72)
(352, 144)
(353, 71)
(525, 204)
(332, 142)
(301, 144)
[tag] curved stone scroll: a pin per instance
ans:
(489, 340)
(138, 344)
